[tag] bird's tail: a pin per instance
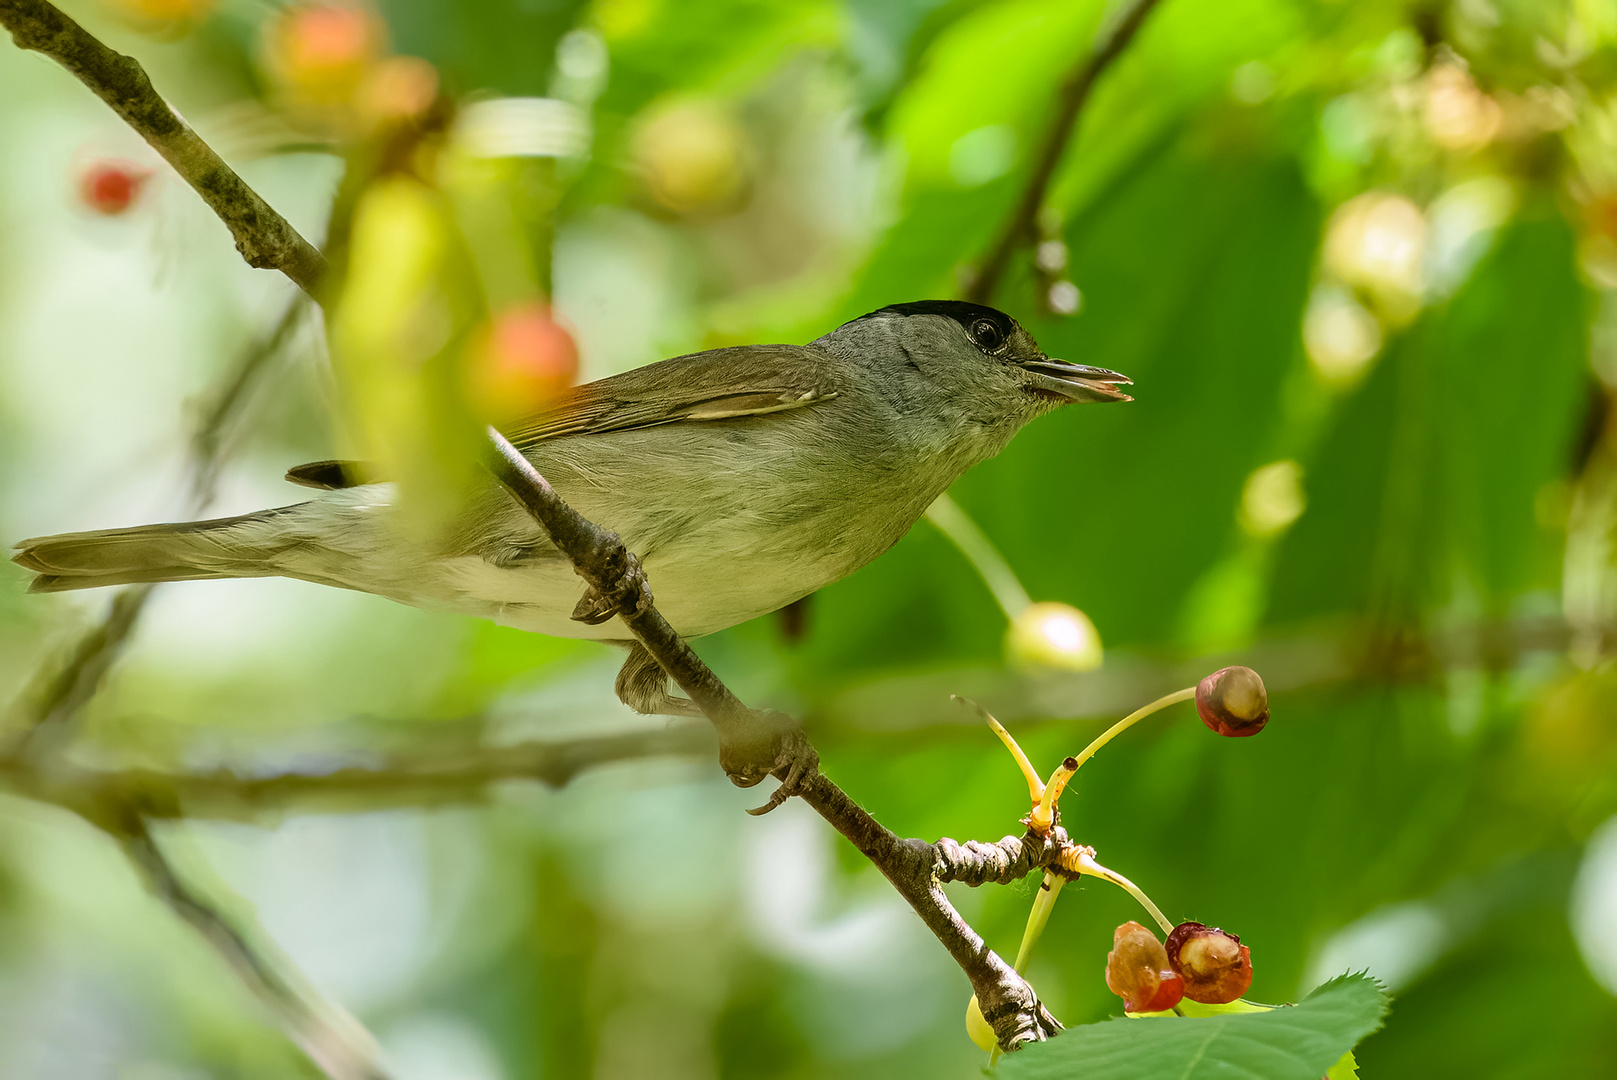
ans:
(188, 551)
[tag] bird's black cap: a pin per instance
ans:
(962, 312)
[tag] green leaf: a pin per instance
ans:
(1345, 1069)
(1427, 483)
(1300, 1041)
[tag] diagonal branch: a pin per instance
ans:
(264, 238)
(332, 1039)
(758, 745)
(1073, 95)
(751, 744)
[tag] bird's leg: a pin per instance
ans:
(642, 685)
(771, 737)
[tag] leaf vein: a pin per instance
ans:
(1201, 1052)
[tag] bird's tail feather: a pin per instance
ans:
(186, 551)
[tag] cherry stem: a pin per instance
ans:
(1079, 860)
(1043, 904)
(1043, 816)
(980, 551)
(1035, 786)
(1124, 724)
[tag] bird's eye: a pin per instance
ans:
(986, 335)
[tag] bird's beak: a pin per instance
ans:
(1076, 382)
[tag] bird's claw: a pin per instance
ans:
(629, 590)
(777, 747)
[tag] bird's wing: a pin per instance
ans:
(720, 384)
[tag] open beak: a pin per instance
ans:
(1076, 382)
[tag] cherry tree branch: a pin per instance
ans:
(264, 238)
(330, 1036)
(414, 778)
(752, 745)
(1070, 101)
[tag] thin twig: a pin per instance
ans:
(416, 778)
(56, 694)
(332, 1039)
(226, 405)
(1070, 102)
(264, 238)
(54, 697)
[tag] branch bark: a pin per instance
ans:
(1007, 1000)
(416, 779)
(332, 1039)
(1070, 101)
(752, 745)
(264, 238)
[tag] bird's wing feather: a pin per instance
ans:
(721, 384)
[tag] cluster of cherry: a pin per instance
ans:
(1199, 963)
(1202, 963)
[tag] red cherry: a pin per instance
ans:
(1233, 702)
(525, 363)
(109, 187)
(1137, 971)
(1216, 967)
(1170, 990)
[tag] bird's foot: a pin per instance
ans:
(628, 591)
(774, 745)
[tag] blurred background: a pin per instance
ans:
(1360, 259)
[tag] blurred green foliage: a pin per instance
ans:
(1376, 241)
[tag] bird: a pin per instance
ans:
(744, 477)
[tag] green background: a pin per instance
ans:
(1435, 627)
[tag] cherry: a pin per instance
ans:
(1232, 701)
(1137, 971)
(110, 186)
(524, 362)
(1216, 967)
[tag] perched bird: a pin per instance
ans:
(744, 478)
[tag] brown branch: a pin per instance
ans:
(918, 871)
(1074, 93)
(753, 745)
(332, 1039)
(412, 779)
(264, 238)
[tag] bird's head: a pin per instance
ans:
(980, 357)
